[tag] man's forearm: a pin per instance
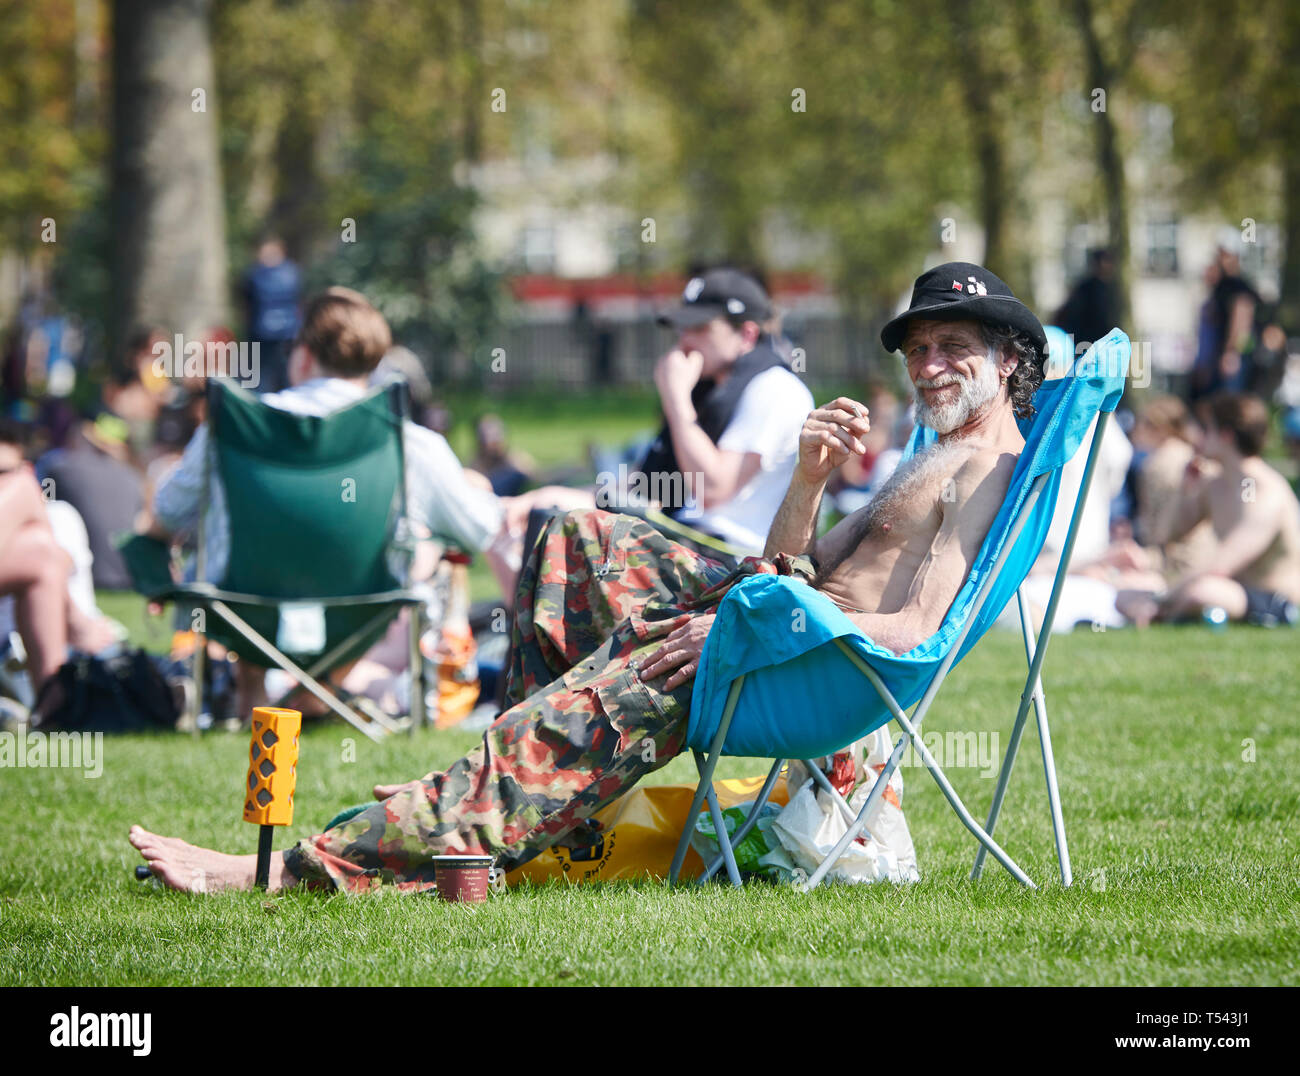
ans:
(694, 449)
(716, 471)
(795, 526)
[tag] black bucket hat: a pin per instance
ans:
(959, 291)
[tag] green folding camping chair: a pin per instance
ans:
(317, 567)
(766, 690)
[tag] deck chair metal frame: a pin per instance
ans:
(362, 714)
(1035, 652)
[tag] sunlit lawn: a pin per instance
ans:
(1178, 751)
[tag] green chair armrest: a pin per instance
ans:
(148, 559)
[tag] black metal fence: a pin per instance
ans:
(829, 350)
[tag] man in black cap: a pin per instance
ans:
(732, 412)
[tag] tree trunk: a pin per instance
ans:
(993, 193)
(1288, 310)
(986, 135)
(476, 94)
(1109, 162)
(1289, 286)
(168, 218)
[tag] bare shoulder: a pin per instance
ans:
(1260, 492)
(1274, 494)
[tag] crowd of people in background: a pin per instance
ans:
(1186, 518)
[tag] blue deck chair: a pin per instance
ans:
(783, 671)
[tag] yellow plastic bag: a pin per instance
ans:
(639, 833)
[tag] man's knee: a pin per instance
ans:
(34, 547)
(1208, 592)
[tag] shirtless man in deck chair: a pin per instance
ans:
(611, 617)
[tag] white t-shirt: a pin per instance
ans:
(1094, 526)
(767, 421)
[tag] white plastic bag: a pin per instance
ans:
(812, 822)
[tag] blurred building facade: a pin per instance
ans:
(587, 282)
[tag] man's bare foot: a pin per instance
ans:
(382, 792)
(201, 870)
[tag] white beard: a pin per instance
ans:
(972, 395)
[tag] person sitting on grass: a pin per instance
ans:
(35, 570)
(611, 617)
(1252, 572)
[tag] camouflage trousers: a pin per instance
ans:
(596, 597)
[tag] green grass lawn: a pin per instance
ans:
(555, 427)
(1185, 856)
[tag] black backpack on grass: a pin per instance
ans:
(122, 693)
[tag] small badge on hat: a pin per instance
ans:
(693, 288)
(956, 285)
(735, 306)
(975, 287)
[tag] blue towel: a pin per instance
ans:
(803, 697)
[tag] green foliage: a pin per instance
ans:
(413, 252)
(337, 113)
(853, 126)
(1228, 73)
(859, 123)
(48, 132)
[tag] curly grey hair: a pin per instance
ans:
(1028, 374)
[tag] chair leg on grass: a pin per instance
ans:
(1004, 779)
(309, 682)
(705, 767)
(720, 828)
(936, 771)
(1033, 691)
(1054, 797)
(419, 715)
(199, 665)
(954, 801)
(1036, 651)
(910, 735)
(750, 821)
(322, 666)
